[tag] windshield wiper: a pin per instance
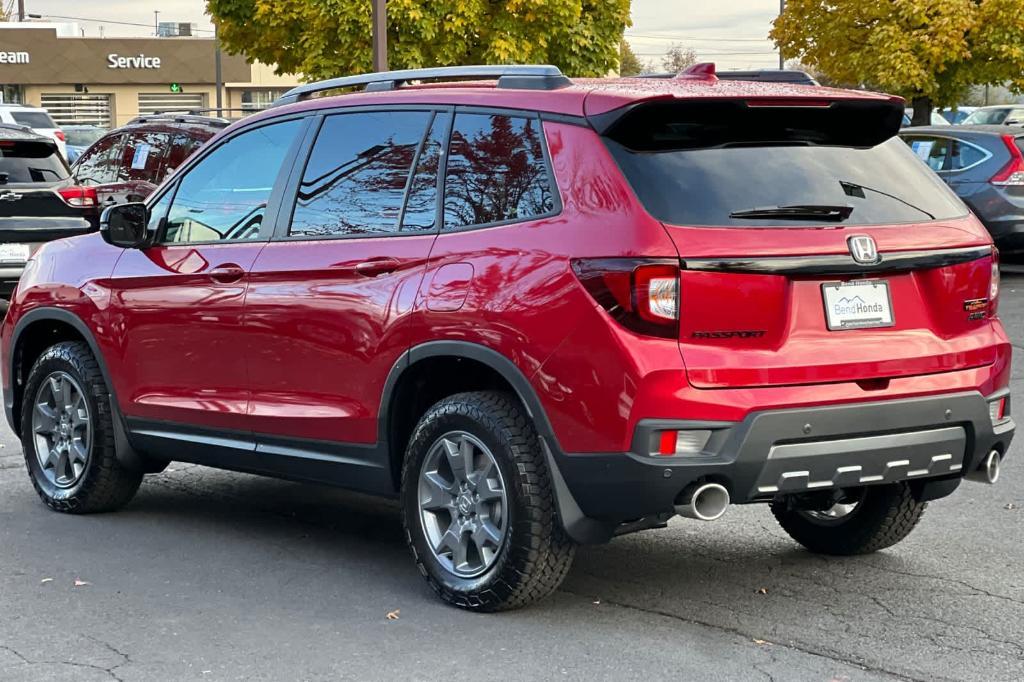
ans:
(826, 212)
(853, 189)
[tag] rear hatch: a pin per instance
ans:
(37, 203)
(814, 246)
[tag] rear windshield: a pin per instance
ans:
(778, 166)
(987, 117)
(30, 162)
(33, 119)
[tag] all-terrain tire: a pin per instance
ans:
(884, 515)
(104, 485)
(536, 553)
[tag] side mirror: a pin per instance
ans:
(124, 225)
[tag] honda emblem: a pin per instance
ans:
(863, 249)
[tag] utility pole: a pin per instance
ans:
(782, 8)
(380, 35)
(156, 22)
(216, 67)
(21, 10)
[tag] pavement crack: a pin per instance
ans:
(14, 652)
(977, 591)
(791, 645)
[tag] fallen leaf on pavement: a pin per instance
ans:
(1011, 505)
(46, 580)
(760, 641)
(762, 590)
(597, 601)
(81, 583)
(393, 615)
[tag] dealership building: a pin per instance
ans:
(109, 81)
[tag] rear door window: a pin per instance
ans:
(496, 172)
(355, 181)
(142, 156)
(934, 151)
(98, 166)
(33, 119)
(29, 161)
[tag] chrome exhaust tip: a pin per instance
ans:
(705, 502)
(988, 472)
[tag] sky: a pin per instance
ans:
(731, 33)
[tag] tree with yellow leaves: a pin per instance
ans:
(328, 38)
(929, 51)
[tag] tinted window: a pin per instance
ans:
(181, 148)
(83, 137)
(30, 162)
(421, 204)
(355, 180)
(142, 157)
(884, 184)
(934, 151)
(98, 165)
(496, 171)
(225, 195)
(33, 119)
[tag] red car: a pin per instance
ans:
(128, 163)
(539, 312)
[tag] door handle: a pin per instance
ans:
(227, 273)
(377, 266)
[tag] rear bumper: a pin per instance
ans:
(782, 451)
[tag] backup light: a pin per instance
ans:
(1012, 174)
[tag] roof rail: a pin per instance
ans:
(524, 77)
(181, 117)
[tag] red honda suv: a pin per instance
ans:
(539, 312)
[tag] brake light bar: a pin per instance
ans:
(80, 197)
(1012, 174)
(640, 294)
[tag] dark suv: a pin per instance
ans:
(538, 312)
(128, 163)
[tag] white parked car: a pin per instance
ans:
(36, 118)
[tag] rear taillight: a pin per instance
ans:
(640, 294)
(80, 197)
(59, 134)
(1013, 172)
(993, 285)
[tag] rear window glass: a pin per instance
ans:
(755, 165)
(987, 117)
(33, 119)
(30, 162)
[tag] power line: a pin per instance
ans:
(681, 38)
(107, 21)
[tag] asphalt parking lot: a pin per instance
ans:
(209, 575)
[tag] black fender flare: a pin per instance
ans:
(579, 527)
(126, 454)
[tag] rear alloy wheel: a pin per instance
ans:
(478, 507)
(855, 521)
(463, 506)
(67, 432)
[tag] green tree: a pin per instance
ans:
(328, 38)
(678, 58)
(929, 51)
(629, 63)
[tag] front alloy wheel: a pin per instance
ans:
(61, 429)
(462, 502)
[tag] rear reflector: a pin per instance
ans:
(642, 295)
(1012, 173)
(59, 134)
(81, 197)
(993, 285)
